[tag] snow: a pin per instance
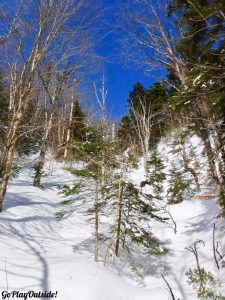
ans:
(40, 253)
(196, 80)
(194, 220)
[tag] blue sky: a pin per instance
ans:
(119, 82)
(120, 78)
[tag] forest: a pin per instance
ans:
(128, 205)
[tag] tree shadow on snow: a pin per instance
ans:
(204, 221)
(15, 199)
(12, 267)
(85, 246)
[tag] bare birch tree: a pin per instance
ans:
(101, 97)
(56, 87)
(68, 134)
(153, 34)
(144, 119)
(44, 30)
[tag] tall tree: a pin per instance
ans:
(39, 29)
(202, 25)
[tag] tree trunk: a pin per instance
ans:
(211, 163)
(6, 168)
(96, 223)
(39, 166)
(219, 145)
(202, 131)
(119, 216)
(68, 131)
(41, 161)
(8, 154)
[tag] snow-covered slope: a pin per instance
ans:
(39, 253)
(36, 251)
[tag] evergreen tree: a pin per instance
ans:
(78, 123)
(156, 175)
(95, 150)
(135, 210)
(154, 100)
(103, 183)
(127, 129)
(177, 186)
(126, 132)
(136, 96)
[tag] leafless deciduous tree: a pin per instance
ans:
(153, 33)
(56, 88)
(217, 254)
(144, 117)
(44, 31)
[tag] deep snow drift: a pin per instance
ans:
(39, 253)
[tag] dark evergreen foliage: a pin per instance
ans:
(154, 100)
(78, 123)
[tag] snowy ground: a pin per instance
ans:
(39, 253)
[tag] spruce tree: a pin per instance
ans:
(95, 151)
(78, 123)
(156, 175)
(178, 184)
(103, 183)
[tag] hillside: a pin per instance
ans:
(112, 149)
(40, 253)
